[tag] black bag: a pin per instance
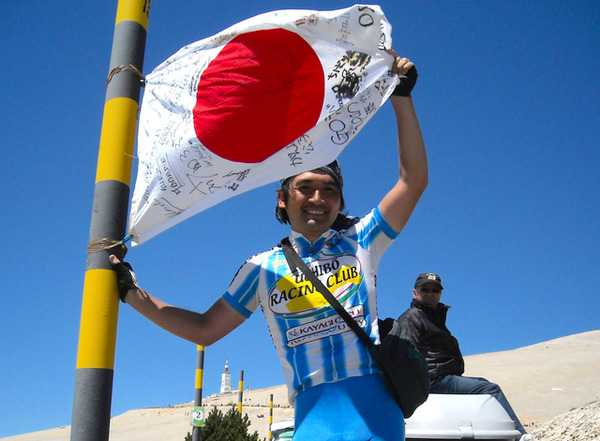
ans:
(404, 369)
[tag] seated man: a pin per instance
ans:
(424, 325)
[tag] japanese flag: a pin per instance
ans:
(270, 97)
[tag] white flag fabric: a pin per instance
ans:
(270, 97)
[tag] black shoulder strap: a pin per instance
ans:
(294, 261)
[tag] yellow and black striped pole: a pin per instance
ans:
(270, 416)
(198, 390)
(99, 311)
(240, 391)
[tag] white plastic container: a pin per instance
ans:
(451, 416)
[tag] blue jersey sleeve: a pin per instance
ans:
(385, 227)
(236, 305)
(242, 293)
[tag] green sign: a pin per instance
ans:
(198, 416)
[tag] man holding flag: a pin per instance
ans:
(335, 384)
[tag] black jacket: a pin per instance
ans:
(425, 328)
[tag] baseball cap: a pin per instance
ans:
(428, 278)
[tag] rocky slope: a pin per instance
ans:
(581, 424)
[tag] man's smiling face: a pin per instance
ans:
(313, 203)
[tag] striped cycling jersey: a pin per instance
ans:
(313, 342)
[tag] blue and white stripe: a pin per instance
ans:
(337, 354)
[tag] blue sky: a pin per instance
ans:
(508, 100)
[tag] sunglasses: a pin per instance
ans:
(432, 290)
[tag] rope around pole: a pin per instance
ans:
(117, 247)
(123, 68)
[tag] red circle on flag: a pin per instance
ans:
(262, 91)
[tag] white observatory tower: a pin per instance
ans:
(226, 379)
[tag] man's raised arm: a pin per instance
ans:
(398, 205)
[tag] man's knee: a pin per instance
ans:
(492, 388)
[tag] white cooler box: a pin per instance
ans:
(446, 416)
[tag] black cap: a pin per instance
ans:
(332, 169)
(428, 278)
